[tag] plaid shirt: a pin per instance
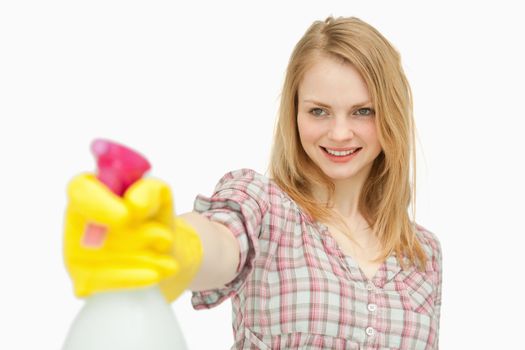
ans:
(296, 289)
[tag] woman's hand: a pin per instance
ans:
(113, 242)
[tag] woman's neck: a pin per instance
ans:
(345, 199)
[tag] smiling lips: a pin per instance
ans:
(340, 155)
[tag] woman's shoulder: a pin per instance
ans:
(243, 175)
(257, 185)
(250, 181)
(430, 242)
(243, 179)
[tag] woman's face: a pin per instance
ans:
(335, 117)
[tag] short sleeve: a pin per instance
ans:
(240, 202)
(432, 246)
(437, 300)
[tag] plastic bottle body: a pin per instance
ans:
(131, 320)
(136, 319)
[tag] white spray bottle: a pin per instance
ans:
(137, 319)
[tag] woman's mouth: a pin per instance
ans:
(341, 155)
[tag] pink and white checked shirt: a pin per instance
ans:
(295, 289)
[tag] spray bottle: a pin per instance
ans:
(136, 319)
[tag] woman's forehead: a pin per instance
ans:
(330, 82)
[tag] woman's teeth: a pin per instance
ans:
(340, 153)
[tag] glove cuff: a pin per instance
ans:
(188, 252)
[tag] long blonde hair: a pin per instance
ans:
(386, 194)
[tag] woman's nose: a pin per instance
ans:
(341, 129)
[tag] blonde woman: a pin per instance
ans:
(320, 254)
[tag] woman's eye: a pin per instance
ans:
(365, 111)
(316, 112)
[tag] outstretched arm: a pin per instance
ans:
(220, 253)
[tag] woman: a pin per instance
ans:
(319, 255)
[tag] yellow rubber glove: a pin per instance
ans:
(113, 243)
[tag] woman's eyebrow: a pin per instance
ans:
(361, 104)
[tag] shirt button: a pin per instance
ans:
(370, 286)
(370, 331)
(372, 307)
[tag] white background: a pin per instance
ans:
(195, 87)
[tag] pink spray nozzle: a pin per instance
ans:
(118, 165)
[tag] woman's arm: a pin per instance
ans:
(220, 253)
